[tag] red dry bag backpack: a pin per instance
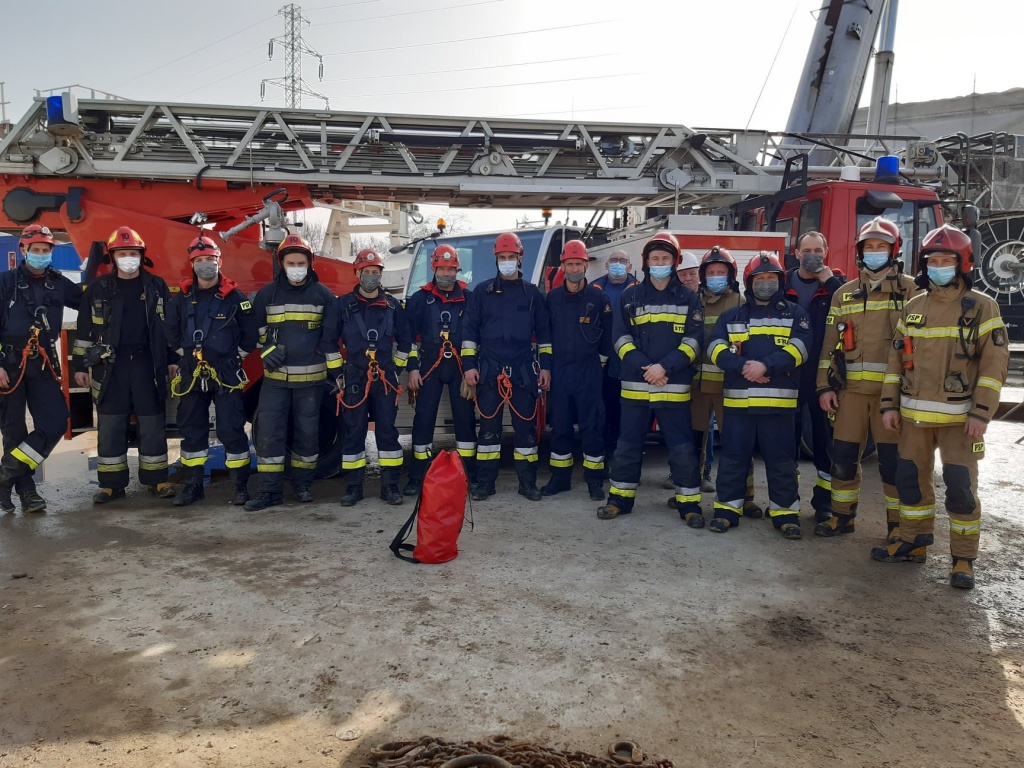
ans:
(439, 512)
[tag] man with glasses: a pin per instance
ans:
(32, 297)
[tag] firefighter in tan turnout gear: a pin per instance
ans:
(858, 337)
(946, 369)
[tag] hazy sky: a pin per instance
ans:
(700, 64)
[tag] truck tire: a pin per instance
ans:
(998, 271)
(329, 463)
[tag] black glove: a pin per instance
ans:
(273, 358)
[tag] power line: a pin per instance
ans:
(472, 69)
(470, 39)
(182, 57)
(490, 86)
(407, 13)
(236, 74)
(342, 5)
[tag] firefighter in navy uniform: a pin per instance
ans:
(855, 354)
(941, 389)
(212, 328)
(581, 330)
(290, 314)
(32, 301)
(657, 338)
(759, 345)
(121, 352)
(719, 291)
(371, 326)
(505, 316)
(435, 315)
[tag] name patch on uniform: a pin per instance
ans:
(915, 319)
(830, 320)
(978, 447)
(849, 296)
(584, 319)
(314, 324)
(244, 305)
(781, 341)
(677, 328)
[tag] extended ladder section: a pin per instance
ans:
(456, 161)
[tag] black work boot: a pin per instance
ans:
(107, 495)
(302, 493)
(559, 483)
(263, 500)
(6, 502)
(413, 486)
(482, 491)
(529, 491)
(904, 551)
(836, 525)
(389, 493)
(32, 502)
(353, 495)
(596, 490)
(190, 493)
(528, 481)
(240, 480)
(962, 575)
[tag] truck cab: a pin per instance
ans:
(838, 209)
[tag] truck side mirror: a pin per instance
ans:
(970, 215)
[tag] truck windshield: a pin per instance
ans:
(476, 257)
(904, 219)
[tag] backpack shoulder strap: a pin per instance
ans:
(398, 545)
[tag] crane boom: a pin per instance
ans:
(343, 156)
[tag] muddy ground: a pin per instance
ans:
(145, 635)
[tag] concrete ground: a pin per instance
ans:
(139, 634)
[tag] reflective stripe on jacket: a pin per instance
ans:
(956, 366)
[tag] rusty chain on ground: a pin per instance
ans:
(503, 752)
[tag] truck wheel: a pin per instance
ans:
(329, 463)
(999, 269)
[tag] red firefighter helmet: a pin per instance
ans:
(202, 246)
(879, 228)
(717, 255)
(663, 241)
(36, 233)
(763, 262)
(508, 242)
(367, 258)
(444, 256)
(948, 239)
(125, 237)
(575, 249)
(294, 244)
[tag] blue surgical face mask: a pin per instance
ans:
(876, 260)
(718, 283)
(39, 260)
(617, 270)
(660, 273)
(941, 275)
(508, 268)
